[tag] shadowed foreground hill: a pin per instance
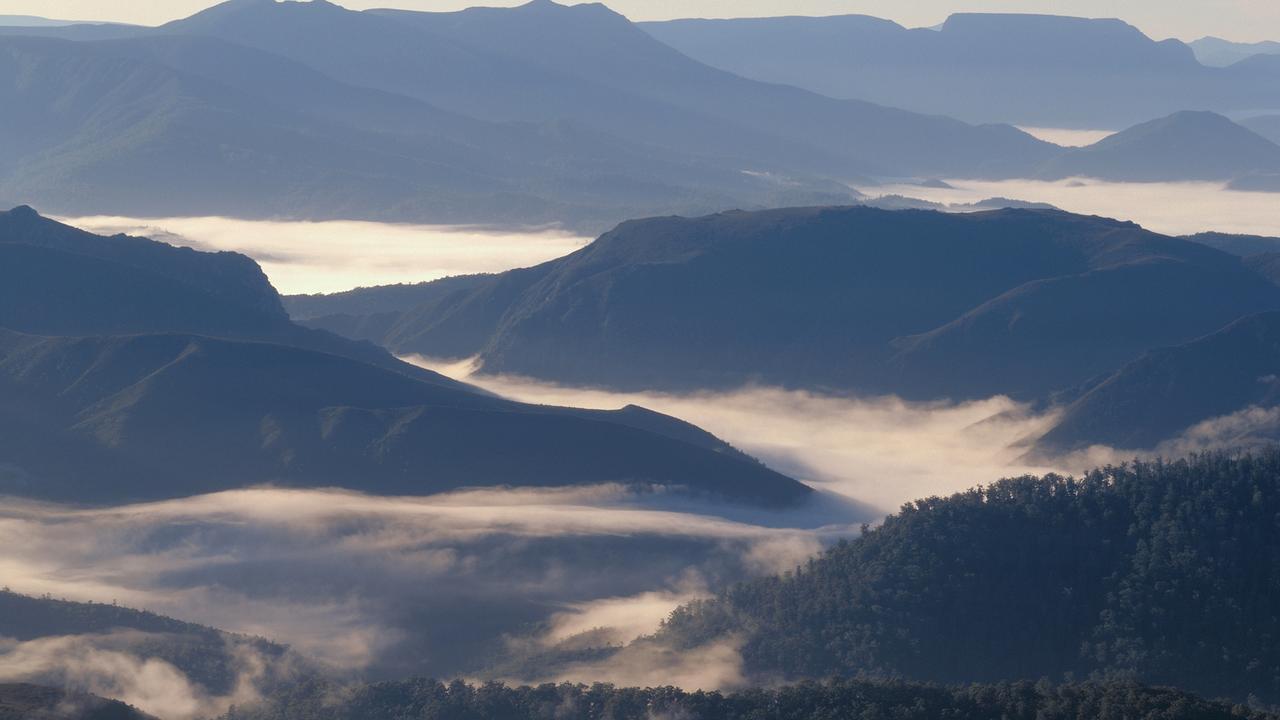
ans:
(134, 370)
(919, 303)
(1166, 573)
(154, 416)
(431, 700)
(1229, 381)
(33, 702)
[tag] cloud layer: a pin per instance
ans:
(329, 256)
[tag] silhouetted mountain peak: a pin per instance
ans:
(1188, 126)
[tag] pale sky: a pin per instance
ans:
(1243, 20)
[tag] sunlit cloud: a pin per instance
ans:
(335, 573)
(881, 451)
(329, 256)
(1067, 137)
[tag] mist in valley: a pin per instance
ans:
(324, 256)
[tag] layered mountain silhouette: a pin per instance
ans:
(520, 115)
(543, 61)
(1068, 72)
(918, 303)
(1224, 386)
(225, 129)
(534, 114)
(135, 370)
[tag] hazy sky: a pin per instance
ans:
(1245, 20)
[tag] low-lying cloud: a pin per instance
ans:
(389, 586)
(329, 256)
(879, 451)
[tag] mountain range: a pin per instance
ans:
(135, 370)
(536, 114)
(917, 303)
(1069, 72)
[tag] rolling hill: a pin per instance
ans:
(918, 303)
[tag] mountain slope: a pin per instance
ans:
(1182, 146)
(912, 302)
(1169, 391)
(1163, 573)
(1067, 71)
(98, 419)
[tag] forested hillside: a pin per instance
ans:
(208, 657)
(1163, 572)
(32, 702)
(430, 700)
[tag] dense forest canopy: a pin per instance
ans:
(1162, 572)
(843, 699)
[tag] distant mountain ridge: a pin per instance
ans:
(967, 67)
(536, 114)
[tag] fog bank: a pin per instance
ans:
(329, 256)
(879, 451)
